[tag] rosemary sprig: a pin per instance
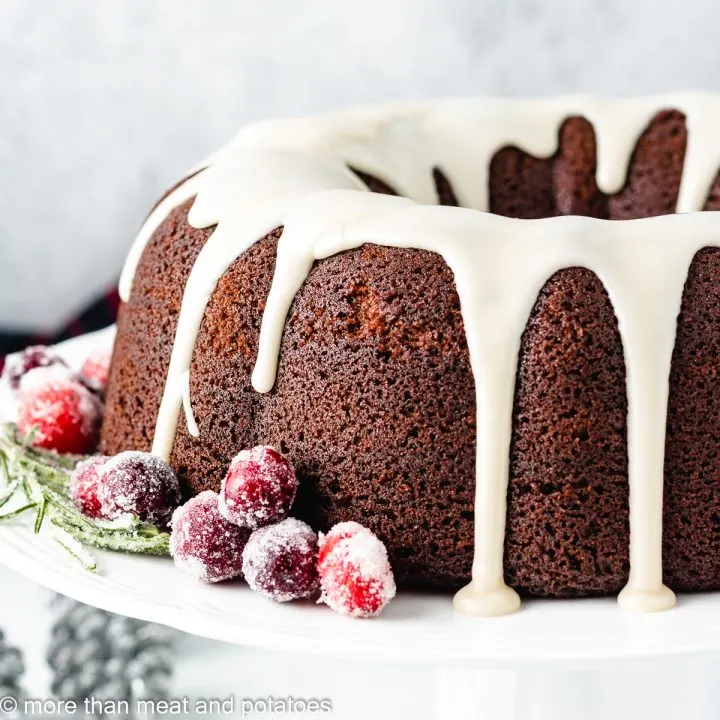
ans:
(40, 515)
(42, 479)
(74, 549)
(17, 512)
(8, 493)
(5, 470)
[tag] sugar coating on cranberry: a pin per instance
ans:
(280, 561)
(259, 488)
(18, 364)
(95, 369)
(203, 543)
(338, 532)
(140, 484)
(85, 486)
(63, 414)
(355, 575)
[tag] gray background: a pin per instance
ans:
(103, 104)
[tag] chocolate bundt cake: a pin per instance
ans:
(487, 391)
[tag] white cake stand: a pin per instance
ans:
(554, 660)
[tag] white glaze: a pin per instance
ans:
(500, 265)
(192, 426)
(294, 173)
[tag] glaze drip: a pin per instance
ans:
(294, 173)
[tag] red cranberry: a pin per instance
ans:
(259, 488)
(203, 543)
(63, 414)
(140, 484)
(339, 532)
(95, 369)
(85, 485)
(33, 357)
(355, 575)
(280, 561)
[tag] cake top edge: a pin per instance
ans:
(272, 163)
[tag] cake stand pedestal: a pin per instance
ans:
(553, 660)
(678, 690)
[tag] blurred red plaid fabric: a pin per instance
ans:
(99, 315)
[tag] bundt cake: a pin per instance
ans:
(487, 391)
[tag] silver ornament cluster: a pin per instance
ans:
(97, 654)
(12, 668)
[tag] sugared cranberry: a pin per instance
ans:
(280, 561)
(339, 532)
(203, 543)
(94, 372)
(355, 575)
(85, 485)
(140, 484)
(18, 364)
(63, 414)
(259, 488)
